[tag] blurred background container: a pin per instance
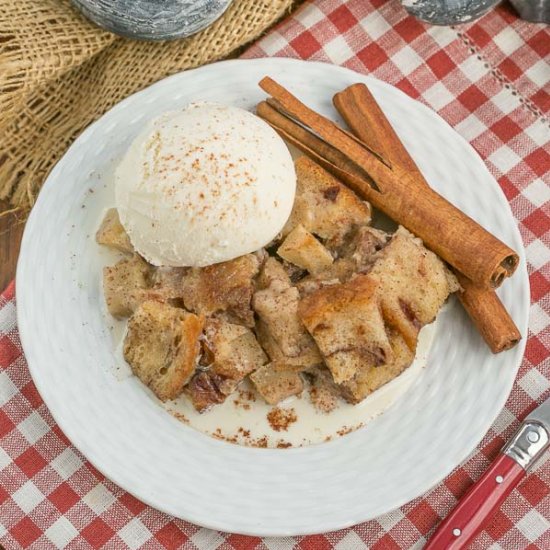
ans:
(455, 12)
(448, 12)
(152, 19)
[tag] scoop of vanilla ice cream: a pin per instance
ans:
(204, 185)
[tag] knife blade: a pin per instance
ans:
(485, 497)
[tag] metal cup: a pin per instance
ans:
(537, 11)
(152, 19)
(448, 12)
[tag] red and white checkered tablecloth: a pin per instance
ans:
(490, 81)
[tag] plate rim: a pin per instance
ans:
(218, 524)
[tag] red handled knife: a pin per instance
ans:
(475, 508)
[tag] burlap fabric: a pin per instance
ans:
(58, 73)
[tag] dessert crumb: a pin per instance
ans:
(281, 419)
(241, 404)
(243, 432)
(247, 395)
(348, 429)
(180, 416)
(244, 398)
(242, 437)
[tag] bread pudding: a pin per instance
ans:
(331, 305)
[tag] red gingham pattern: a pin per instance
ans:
(489, 80)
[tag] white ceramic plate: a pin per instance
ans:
(170, 466)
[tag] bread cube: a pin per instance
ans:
(340, 271)
(167, 283)
(125, 285)
(111, 233)
(413, 284)
(309, 356)
(230, 353)
(273, 272)
(232, 350)
(224, 287)
(323, 205)
(346, 322)
(162, 347)
(371, 377)
(274, 385)
(357, 254)
(362, 246)
(277, 307)
(323, 392)
(302, 249)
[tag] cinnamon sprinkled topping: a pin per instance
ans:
(281, 419)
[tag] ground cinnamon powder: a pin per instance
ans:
(281, 419)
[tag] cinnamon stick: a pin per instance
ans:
(489, 315)
(363, 115)
(308, 143)
(451, 234)
(368, 122)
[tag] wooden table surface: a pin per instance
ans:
(11, 231)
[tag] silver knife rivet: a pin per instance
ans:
(533, 437)
(499, 479)
(457, 532)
